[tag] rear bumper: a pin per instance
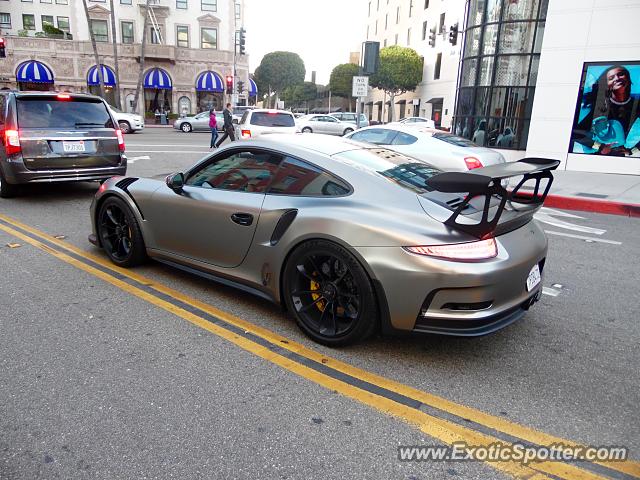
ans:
(16, 173)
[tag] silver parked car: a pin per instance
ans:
(441, 149)
(326, 124)
(351, 118)
(128, 122)
(421, 121)
(349, 237)
(198, 123)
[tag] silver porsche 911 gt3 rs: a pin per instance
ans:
(349, 237)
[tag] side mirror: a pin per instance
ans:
(175, 181)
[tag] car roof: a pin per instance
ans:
(406, 128)
(268, 110)
(20, 94)
(323, 144)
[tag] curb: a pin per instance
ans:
(596, 206)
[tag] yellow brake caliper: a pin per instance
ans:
(322, 303)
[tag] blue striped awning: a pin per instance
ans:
(157, 78)
(34, 71)
(209, 82)
(108, 77)
(253, 88)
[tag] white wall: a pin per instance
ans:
(579, 31)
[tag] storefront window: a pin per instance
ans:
(499, 70)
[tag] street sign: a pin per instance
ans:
(360, 86)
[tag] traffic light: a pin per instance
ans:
(2, 52)
(240, 86)
(453, 34)
(432, 37)
(229, 84)
(241, 41)
(370, 57)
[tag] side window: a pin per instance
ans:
(404, 139)
(330, 119)
(296, 177)
(377, 136)
(3, 108)
(244, 171)
(316, 119)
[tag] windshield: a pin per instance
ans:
(404, 171)
(272, 119)
(50, 112)
(454, 140)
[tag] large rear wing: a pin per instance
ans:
(480, 211)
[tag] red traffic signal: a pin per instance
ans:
(2, 52)
(229, 84)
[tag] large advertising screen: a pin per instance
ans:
(607, 119)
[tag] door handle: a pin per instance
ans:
(244, 219)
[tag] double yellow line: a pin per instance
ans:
(437, 417)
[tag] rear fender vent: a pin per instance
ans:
(125, 182)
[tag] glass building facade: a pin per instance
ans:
(500, 61)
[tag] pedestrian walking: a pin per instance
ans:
(228, 126)
(213, 124)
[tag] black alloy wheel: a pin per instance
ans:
(120, 233)
(330, 294)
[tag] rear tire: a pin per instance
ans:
(307, 130)
(7, 190)
(124, 126)
(120, 234)
(330, 294)
(185, 127)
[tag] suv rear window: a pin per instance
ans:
(275, 119)
(50, 112)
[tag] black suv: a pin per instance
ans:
(48, 136)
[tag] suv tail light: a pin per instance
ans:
(245, 133)
(12, 142)
(472, 162)
(120, 139)
(480, 250)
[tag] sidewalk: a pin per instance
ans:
(595, 192)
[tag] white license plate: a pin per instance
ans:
(73, 146)
(534, 278)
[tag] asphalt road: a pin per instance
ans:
(97, 381)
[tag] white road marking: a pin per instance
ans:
(552, 292)
(547, 215)
(135, 159)
(586, 239)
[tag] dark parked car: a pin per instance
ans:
(48, 136)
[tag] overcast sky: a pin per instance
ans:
(322, 32)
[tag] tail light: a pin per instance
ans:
(246, 133)
(120, 139)
(472, 162)
(12, 142)
(63, 96)
(480, 250)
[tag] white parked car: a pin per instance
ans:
(441, 149)
(418, 121)
(259, 121)
(129, 122)
(350, 117)
(326, 124)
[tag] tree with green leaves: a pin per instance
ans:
(341, 80)
(298, 95)
(279, 70)
(400, 71)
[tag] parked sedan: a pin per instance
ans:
(418, 121)
(349, 238)
(198, 123)
(441, 149)
(326, 124)
(350, 117)
(128, 122)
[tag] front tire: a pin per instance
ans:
(124, 126)
(185, 127)
(330, 294)
(120, 234)
(307, 130)
(347, 131)
(7, 190)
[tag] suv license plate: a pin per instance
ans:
(73, 146)
(534, 278)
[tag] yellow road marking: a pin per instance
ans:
(444, 430)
